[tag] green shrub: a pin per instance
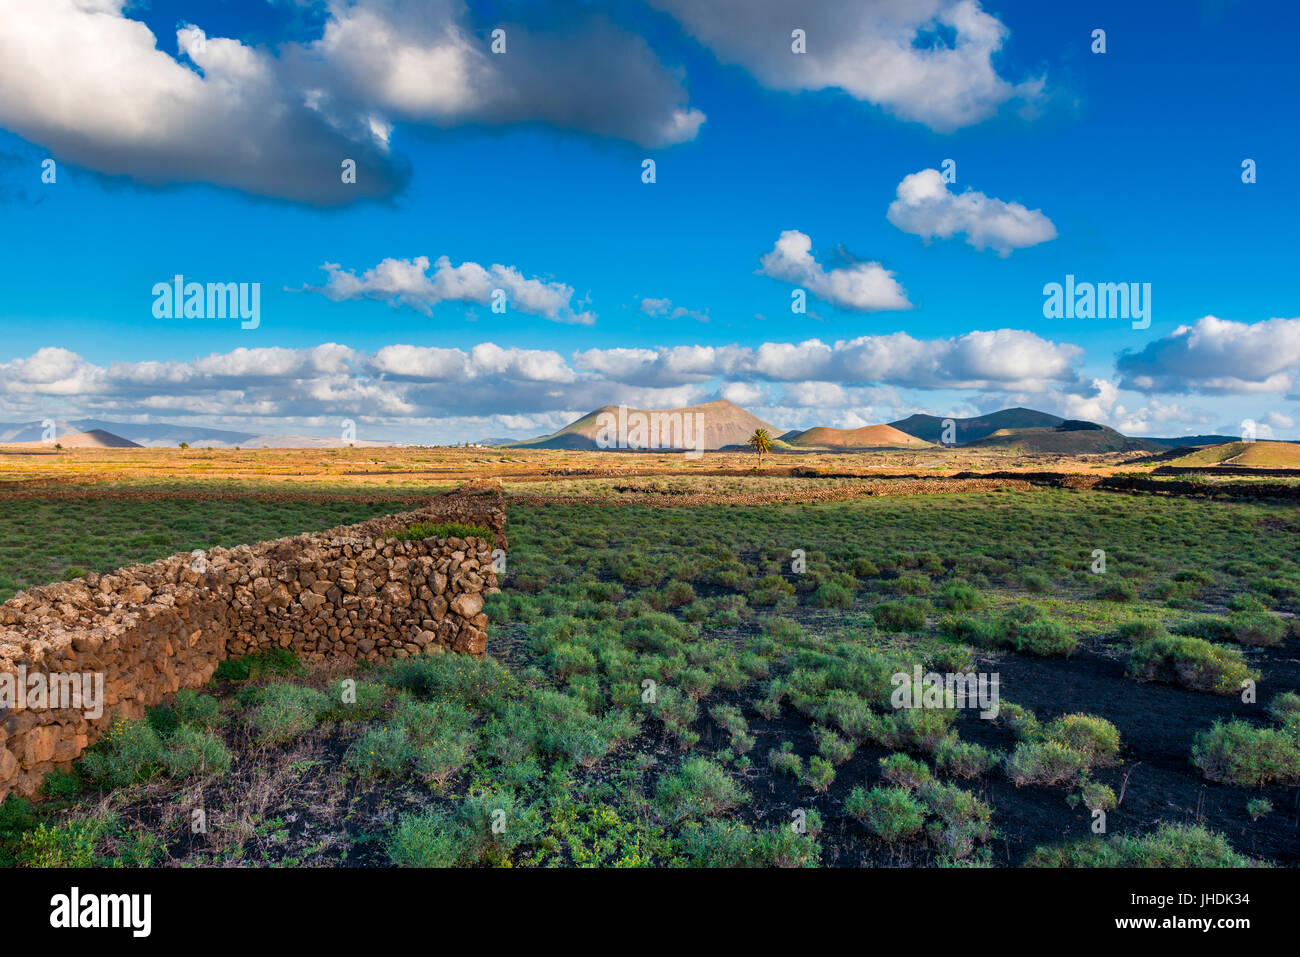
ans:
(198, 710)
(905, 772)
(1095, 738)
(1259, 628)
(1191, 662)
(831, 595)
(965, 759)
(380, 751)
(70, 844)
(864, 567)
(1097, 796)
(912, 585)
(282, 712)
(1171, 845)
(273, 662)
(1258, 808)
(1142, 630)
(129, 752)
(423, 530)
(678, 712)
(820, 773)
(358, 701)
(961, 598)
(1117, 589)
(1045, 762)
(1023, 723)
(785, 761)
(892, 814)
(1209, 627)
(733, 844)
(191, 751)
(831, 746)
(1240, 753)
(907, 614)
(1285, 709)
(698, 789)
(426, 839)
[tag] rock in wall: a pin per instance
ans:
(350, 592)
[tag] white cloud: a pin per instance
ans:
(743, 393)
(925, 60)
(1279, 420)
(1217, 357)
(93, 86)
(271, 389)
(407, 282)
(927, 208)
(864, 286)
(664, 309)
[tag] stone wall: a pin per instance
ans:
(349, 592)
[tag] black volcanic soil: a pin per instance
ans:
(1157, 781)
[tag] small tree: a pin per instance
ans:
(761, 443)
(185, 445)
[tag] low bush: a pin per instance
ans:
(1191, 662)
(1171, 845)
(282, 712)
(1046, 763)
(424, 530)
(733, 844)
(1237, 752)
(907, 614)
(698, 789)
(891, 813)
(1095, 738)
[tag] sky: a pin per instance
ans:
(453, 242)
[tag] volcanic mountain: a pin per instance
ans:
(1070, 436)
(1244, 455)
(930, 427)
(722, 424)
(867, 437)
(94, 439)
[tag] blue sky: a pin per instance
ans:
(221, 164)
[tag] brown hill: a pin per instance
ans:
(1244, 455)
(723, 423)
(867, 437)
(94, 439)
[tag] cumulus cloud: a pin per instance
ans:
(1217, 357)
(925, 60)
(408, 282)
(265, 388)
(664, 309)
(926, 207)
(87, 82)
(863, 286)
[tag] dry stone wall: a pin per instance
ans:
(349, 592)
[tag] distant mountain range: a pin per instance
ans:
(97, 433)
(727, 426)
(724, 425)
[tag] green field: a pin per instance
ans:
(710, 686)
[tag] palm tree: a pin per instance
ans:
(761, 443)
